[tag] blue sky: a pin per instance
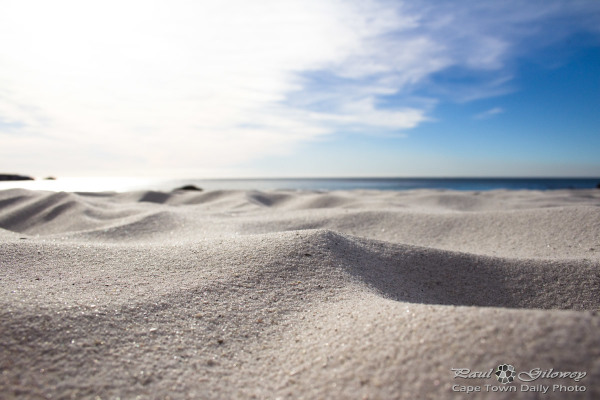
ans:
(300, 88)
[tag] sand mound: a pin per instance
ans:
(295, 294)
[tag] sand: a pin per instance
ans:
(302, 295)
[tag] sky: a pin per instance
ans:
(300, 88)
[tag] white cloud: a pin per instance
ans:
(166, 84)
(147, 86)
(489, 113)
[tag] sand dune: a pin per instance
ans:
(282, 294)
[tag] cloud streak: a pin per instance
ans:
(185, 86)
(489, 113)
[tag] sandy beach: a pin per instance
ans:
(298, 294)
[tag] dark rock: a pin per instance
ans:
(49, 178)
(598, 185)
(189, 187)
(155, 197)
(11, 177)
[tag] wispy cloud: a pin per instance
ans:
(489, 113)
(185, 86)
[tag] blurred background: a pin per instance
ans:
(167, 90)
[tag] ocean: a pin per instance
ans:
(120, 184)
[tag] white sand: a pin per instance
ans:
(302, 295)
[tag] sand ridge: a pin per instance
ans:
(285, 294)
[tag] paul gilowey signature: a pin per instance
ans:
(524, 376)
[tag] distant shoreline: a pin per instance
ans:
(122, 184)
(14, 177)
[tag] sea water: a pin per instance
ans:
(121, 184)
